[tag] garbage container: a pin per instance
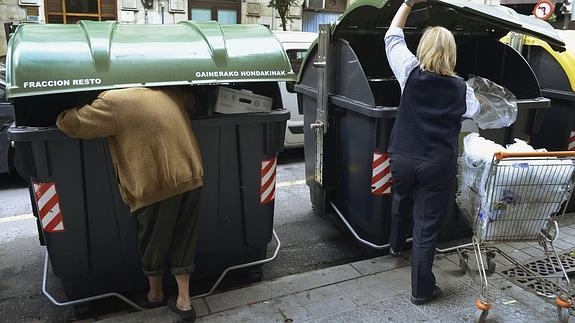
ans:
(350, 98)
(89, 234)
(556, 74)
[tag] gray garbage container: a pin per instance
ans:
(90, 236)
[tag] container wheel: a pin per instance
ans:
(491, 263)
(563, 314)
(463, 262)
(481, 315)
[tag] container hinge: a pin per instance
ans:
(321, 124)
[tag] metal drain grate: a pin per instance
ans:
(542, 267)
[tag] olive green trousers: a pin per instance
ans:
(168, 234)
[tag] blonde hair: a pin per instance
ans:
(437, 51)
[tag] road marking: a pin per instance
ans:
(30, 216)
(21, 217)
(291, 183)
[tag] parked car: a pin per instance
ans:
(568, 37)
(6, 119)
(296, 45)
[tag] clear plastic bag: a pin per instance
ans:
(498, 106)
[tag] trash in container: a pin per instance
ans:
(92, 240)
(349, 100)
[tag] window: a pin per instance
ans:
(224, 11)
(296, 57)
(70, 11)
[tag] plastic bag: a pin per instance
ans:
(498, 106)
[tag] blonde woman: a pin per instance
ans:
(424, 143)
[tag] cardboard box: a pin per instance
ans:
(241, 101)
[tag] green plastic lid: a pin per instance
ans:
(55, 58)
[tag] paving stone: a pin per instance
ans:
(527, 298)
(379, 264)
(280, 287)
(200, 307)
(562, 245)
(341, 303)
(286, 302)
(519, 255)
(402, 308)
(240, 313)
(391, 309)
(363, 297)
(506, 247)
(361, 283)
(160, 314)
(319, 309)
(518, 245)
(382, 292)
(319, 294)
(533, 251)
(361, 314)
(276, 318)
(451, 257)
(400, 285)
(393, 275)
(568, 230)
(297, 314)
(263, 308)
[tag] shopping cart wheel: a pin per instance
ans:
(463, 258)
(481, 315)
(482, 311)
(491, 262)
(563, 309)
(563, 314)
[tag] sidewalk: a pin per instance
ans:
(373, 290)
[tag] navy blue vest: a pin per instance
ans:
(429, 118)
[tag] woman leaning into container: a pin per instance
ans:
(424, 143)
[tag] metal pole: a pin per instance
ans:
(250, 264)
(81, 300)
(134, 305)
(357, 237)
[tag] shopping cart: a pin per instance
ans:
(518, 197)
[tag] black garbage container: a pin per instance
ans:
(348, 69)
(88, 231)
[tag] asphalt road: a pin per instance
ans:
(308, 243)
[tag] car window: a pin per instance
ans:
(296, 57)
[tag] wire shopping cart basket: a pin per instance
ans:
(518, 197)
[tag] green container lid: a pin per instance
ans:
(55, 58)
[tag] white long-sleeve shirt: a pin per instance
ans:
(402, 62)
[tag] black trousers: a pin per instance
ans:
(168, 234)
(422, 192)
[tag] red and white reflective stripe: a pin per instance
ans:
(48, 205)
(268, 186)
(381, 176)
(571, 141)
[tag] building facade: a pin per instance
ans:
(304, 15)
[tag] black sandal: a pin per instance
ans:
(147, 304)
(185, 316)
